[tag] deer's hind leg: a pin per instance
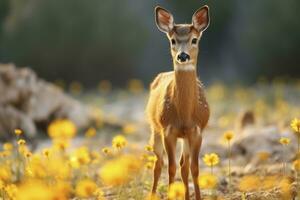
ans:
(158, 149)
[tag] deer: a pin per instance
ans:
(177, 107)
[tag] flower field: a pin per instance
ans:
(251, 148)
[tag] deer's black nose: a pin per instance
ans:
(182, 57)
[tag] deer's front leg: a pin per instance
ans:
(170, 146)
(185, 168)
(195, 141)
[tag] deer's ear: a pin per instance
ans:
(164, 19)
(201, 18)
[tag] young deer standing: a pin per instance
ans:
(177, 107)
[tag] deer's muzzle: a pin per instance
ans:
(183, 57)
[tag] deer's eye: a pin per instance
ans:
(173, 41)
(194, 41)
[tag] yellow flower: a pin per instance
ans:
(119, 142)
(81, 156)
(150, 161)
(152, 197)
(85, 188)
(269, 182)
(207, 181)
(113, 173)
(54, 167)
(149, 148)
(61, 144)
(36, 167)
(62, 190)
(12, 191)
(46, 153)
(135, 86)
(296, 165)
(5, 173)
(58, 168)
(62, 129)
(249, 183)
(211, 159)
(21, 142)
(295, 124)
(106, 150)
(152, 158)
(95, 155)
(120, 170)
(27, 154)
(285, 186)
(22, 148)
(129, 129)
(34, 190)
(99, 194)
(177, 190)
(18, 131)
(263, 155)
(149, 165)
(8, 146)
(131, 162)
(284, 141)
(4, 154)
(91, 132)
(228, 135)
(73, 161)
(144, 157)
(104, 86)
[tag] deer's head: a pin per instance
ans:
(184, 38)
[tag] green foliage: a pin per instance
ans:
(118, 40)
(271, 33)
(4, 6)
(57, 37)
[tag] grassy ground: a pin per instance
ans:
(115, 162)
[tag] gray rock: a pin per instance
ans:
(254, 140)
(11, 118)
(27, 100)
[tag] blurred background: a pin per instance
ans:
(89, 41)
(102, 54)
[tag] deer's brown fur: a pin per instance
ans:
(177, 107)
(177, 99)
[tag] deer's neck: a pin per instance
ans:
(185, 91)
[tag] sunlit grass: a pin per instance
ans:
(122, 167)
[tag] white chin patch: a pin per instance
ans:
(184, 67)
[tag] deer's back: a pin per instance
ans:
(159, 90)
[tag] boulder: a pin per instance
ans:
(255, 140)
(30, 103)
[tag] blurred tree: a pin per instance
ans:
(271, 33)
(75, 39)
(4, 8)
(110, 39)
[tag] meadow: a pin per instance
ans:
(250, 148)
